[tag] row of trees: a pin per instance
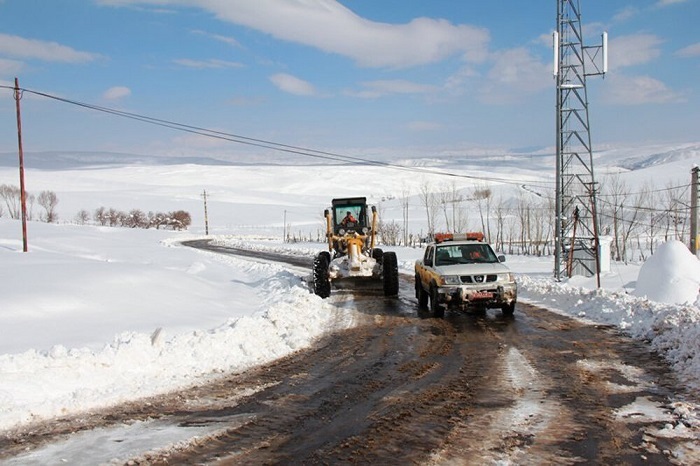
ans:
(523, 222)
(637, 221)
(47, 200)
(12, 201)
(136, 218)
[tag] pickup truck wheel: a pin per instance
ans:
(508, 309)
(421, 295)
(435, 307)
(390, 267)
(322, 284)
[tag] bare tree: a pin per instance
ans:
(30, 199)
(631, 218)
(389, 232)
(100, 216)
(11, 195)
(501, 212)
(444, 199)
(405, 196)
(115, 217)
(427, 198)
(180, 220)
(82, 217)
(482, 195)
(459, 217)
(653, 218)
(136, 219)
(617, 193)
(523, 216)
(48, 200)
(539, 228)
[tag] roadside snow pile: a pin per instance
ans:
(140, 318)
(671, 329)
(671, 275)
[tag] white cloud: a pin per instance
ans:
(663, 3)
(689, 51)
(638, 90)
(210, 64)
(225, 39)
(626, 13)
(20, 47)
(327, 25)
(375, 89)
(633, 50)
(455, 82)
(10, 67)
(292, 84)
(515, 74)
(116, 93)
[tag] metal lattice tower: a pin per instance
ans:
(576, 248)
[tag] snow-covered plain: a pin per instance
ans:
(93, 316)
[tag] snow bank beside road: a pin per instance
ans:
(671, 275)
(665, 308)
(146, 318)
(672, 330)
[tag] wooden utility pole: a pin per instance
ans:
(206, 215)
(23, 194)
(694, 236)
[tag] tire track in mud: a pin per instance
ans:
(405, 388)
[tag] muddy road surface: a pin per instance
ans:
(405, 388)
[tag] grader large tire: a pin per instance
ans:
(390, 267)
(322, 283)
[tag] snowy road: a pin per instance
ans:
(404, 388)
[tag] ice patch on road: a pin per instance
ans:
(141, 439)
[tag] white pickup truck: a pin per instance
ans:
(462, 271)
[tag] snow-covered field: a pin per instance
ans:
(92, 316)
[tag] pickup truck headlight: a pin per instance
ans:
(508, 277)
(451, 280)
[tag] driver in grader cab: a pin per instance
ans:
(348, 219)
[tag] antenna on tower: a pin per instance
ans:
(576, 237)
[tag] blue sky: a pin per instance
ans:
(358, 77)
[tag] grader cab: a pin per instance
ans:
(352, 253)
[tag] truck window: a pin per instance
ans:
(428, 259)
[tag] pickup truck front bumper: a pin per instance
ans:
(477, 297)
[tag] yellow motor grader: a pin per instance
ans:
(351, 249)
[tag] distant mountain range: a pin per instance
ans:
(628, 158)
(78, 160)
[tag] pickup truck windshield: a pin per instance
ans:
(464, 254)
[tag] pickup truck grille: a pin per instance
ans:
(478, 278)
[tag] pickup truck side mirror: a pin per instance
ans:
(501, 258)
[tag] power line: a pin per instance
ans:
(297, 150)
(651, 191)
